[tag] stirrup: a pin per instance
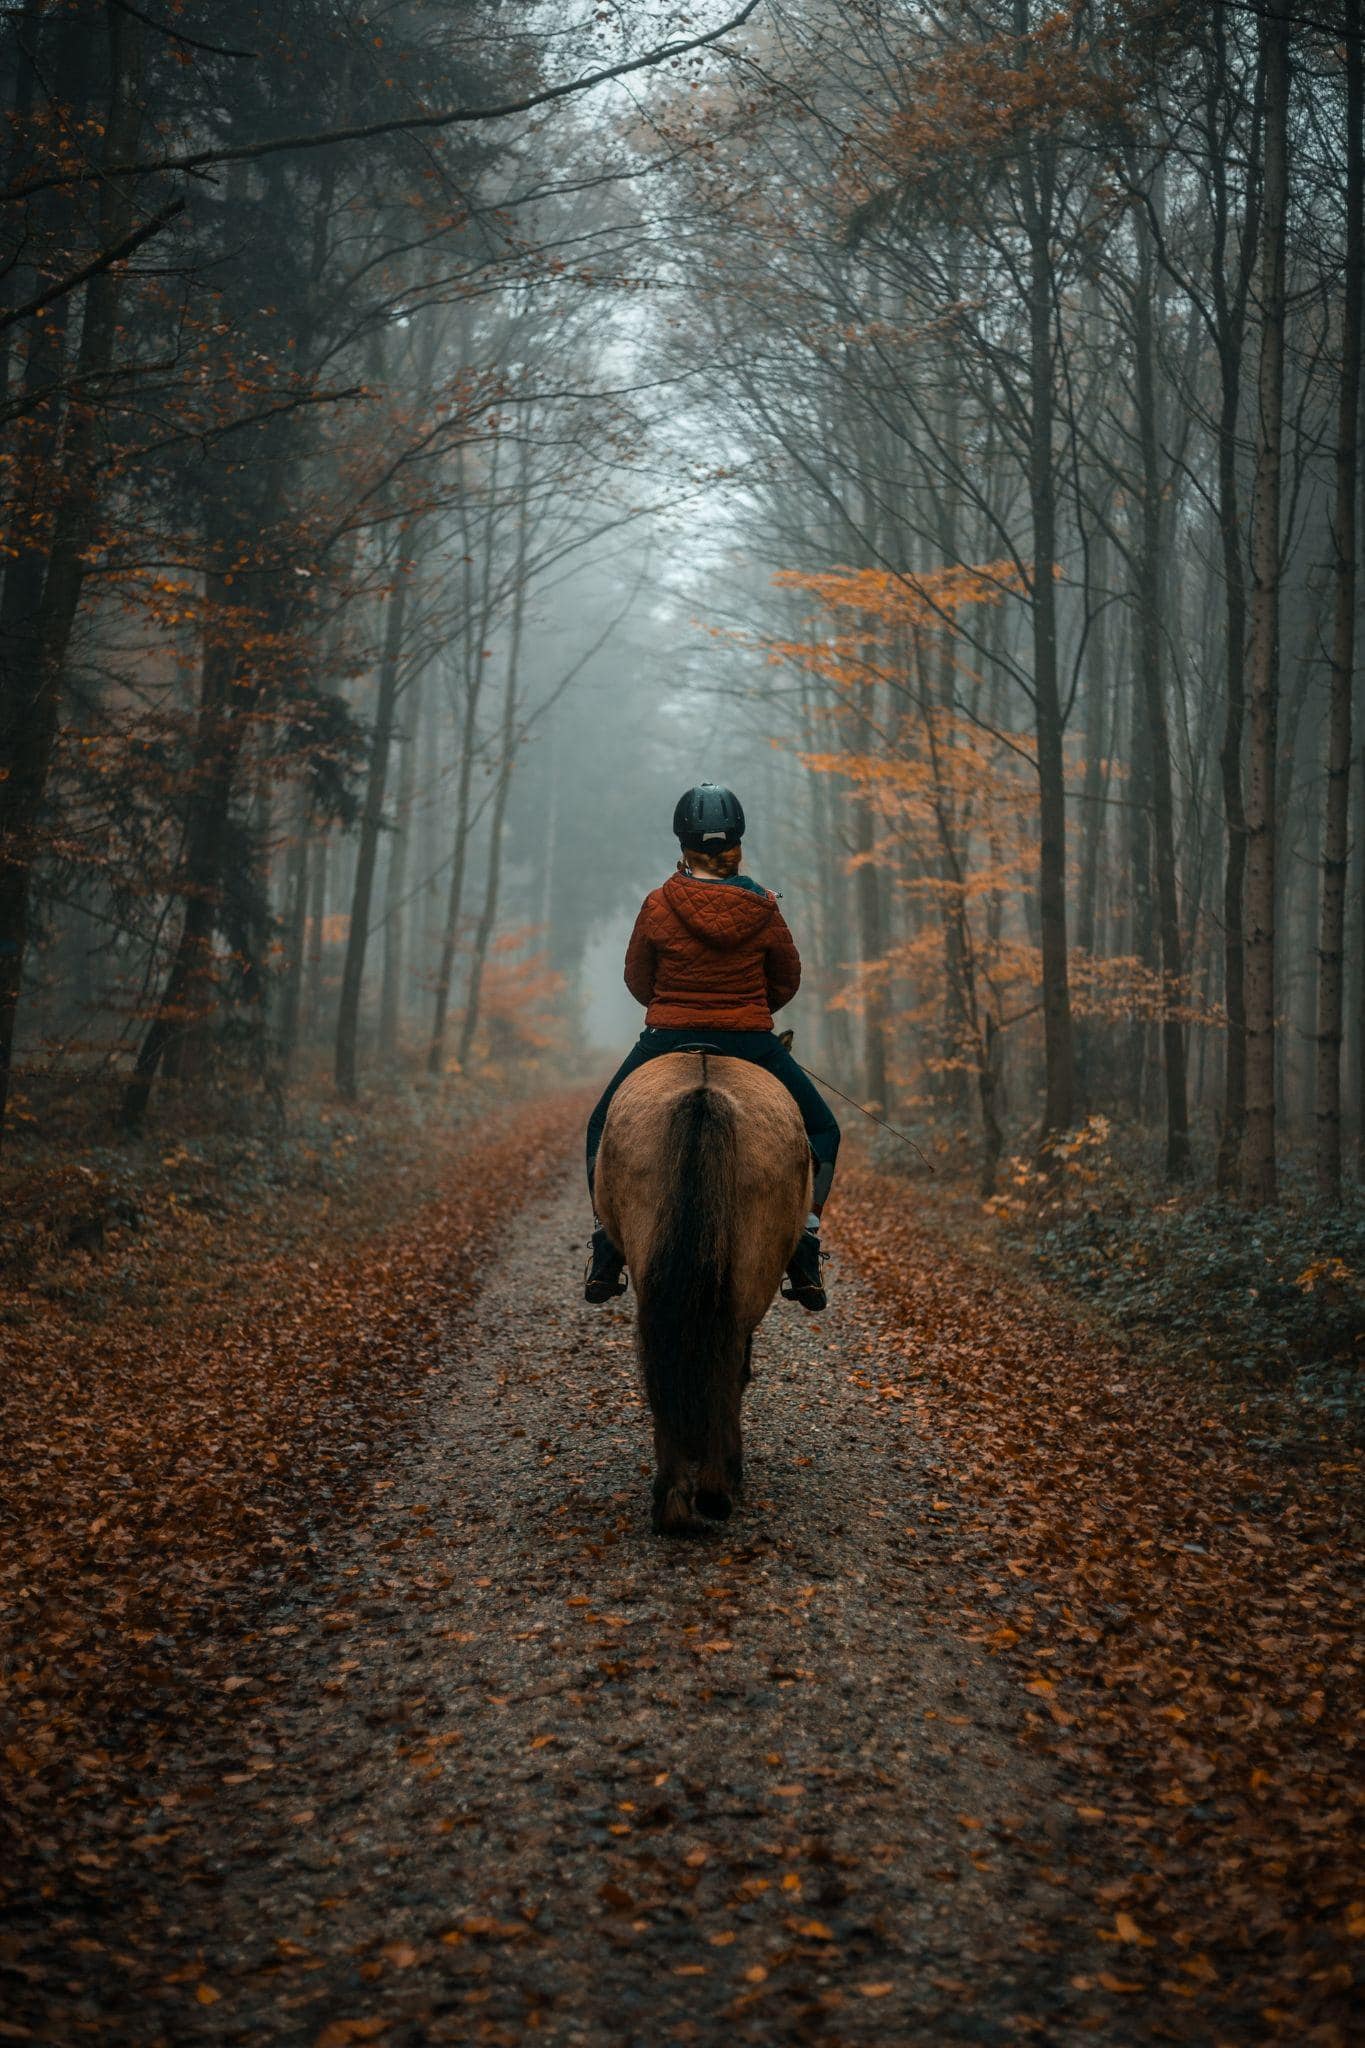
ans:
(805, 1285)
(604, 1274)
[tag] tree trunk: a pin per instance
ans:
(219, 735)
(1098, 736)
(371, 823)
(44, 577)
(1258, 1167)
(1229, 310)
(830, 895)
(872, 935)
(961, 965)
(317, 913)
(1059, 1107)
(450, 935)
(1094, 787)
(296, 931)
(1154, 699)
(476, 617)
(507, 760)
(1335, 848)
(1360, 965)
(1141, 940)
(396, 883)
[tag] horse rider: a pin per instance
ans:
(711, 958)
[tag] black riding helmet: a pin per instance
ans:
(708, 819)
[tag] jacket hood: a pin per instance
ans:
(718, 913)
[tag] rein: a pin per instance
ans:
(881, 1122)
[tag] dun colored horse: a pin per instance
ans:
(703, 1181)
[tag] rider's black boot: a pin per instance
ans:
(602, 1280)
(803, 1272)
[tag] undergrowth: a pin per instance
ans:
(1268, 1301)
(83, 1207)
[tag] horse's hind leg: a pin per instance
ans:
(734, 1453)
(674, 1506)
(722, 1475)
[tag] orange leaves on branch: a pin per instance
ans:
(964, 105)
(521, 998)
(1121, 985)
(902, 598)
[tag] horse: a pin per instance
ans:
(703, 1181)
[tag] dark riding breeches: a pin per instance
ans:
(765, 1049)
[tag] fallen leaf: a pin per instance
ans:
(341, 2033)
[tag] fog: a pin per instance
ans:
(937, 428)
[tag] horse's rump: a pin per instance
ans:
(637, 1179)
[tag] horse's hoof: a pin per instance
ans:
(714, 1503)
(673, 1515)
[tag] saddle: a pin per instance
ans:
(704, 1045)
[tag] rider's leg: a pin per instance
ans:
(822, 1127)
(597, 1122)
(602, 1281)
(822, 1135)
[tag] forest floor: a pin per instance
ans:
(347, 1696)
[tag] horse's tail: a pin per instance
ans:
(689, 1337)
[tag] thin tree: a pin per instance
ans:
(1335, 849)
(1259, 1176)
(371, 822)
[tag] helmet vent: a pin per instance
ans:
(708, 815)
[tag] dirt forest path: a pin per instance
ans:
(526, 1770)
(1017, 1702)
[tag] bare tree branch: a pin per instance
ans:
(369, 131)
(101, 261)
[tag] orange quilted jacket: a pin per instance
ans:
(717, 955)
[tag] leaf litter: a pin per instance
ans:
(373, 1712)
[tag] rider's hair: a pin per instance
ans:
(725, 861)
